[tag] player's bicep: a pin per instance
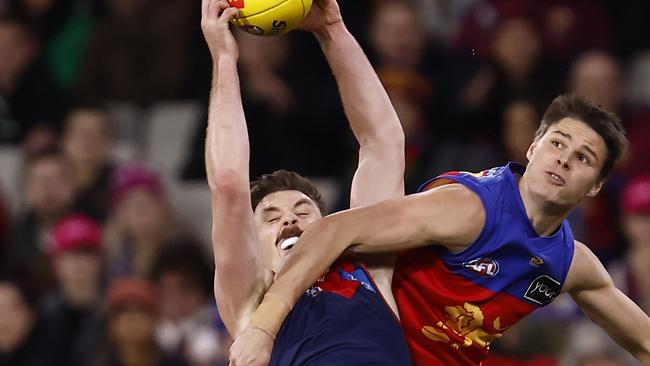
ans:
(451, 216)
(239, 268)
(379, 175)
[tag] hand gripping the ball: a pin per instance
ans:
(323, 13)
(215, 15)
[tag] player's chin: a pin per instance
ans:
(283, 253)
(552, 196)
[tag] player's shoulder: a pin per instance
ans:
(586, 271)
(455, 195)
(464, 177)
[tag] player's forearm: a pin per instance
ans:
(227, 147)
(367, 106)
(320, 245)
(643, 349)
(620, 317)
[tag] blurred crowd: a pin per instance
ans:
(104, 255)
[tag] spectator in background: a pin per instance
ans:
(87, 144)
(49, 194)
(72, 309)
(23, 339)
(567, 27)
(520, 121)
(262, 61)
(637, 97)
(63, 28)
(400, 44)
(638, 157)
(131, 323)
(45, 17)
(596, 76)
(5, 223)
(397, 35)
(634, 280)
(573, 26)
(141, 221)
(190, 325)
(500, 45)
(268, 98)
(138, 54)
(27, 95)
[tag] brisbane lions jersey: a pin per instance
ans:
(453, 306)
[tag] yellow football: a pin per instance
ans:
(270, 17)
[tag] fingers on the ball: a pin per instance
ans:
(229, 13)
(204, 8)
(215, 8)
(222, 4)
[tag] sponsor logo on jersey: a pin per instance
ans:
(485, 267)
(463, 327)
(313, 291)
(358, 275)
(536, 261)
(543, 290)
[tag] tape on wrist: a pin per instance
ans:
(253, 326)
(270, 315)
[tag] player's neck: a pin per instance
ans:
(544, 217)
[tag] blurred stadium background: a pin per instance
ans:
(102, 120)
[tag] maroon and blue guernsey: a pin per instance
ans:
(342, 320)
(453, 306)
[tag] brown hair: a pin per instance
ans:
(604, 123)
(284, 180)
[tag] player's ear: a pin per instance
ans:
(529, 152)
(596, 188)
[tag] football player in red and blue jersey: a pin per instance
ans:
(343, 319)
(481, 251)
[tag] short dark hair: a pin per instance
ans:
(604, 123)
(284, 180)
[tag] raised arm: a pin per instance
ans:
(239, 270)
(380, 173)
(593, 290)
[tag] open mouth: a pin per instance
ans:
(288, 237)
(288, 243)
(556, 179)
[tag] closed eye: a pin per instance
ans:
(302, 214)
(273, 220)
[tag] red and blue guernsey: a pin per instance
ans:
(453, 306)
(342, 320)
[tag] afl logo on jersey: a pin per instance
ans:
(543, 290)
(484, 267)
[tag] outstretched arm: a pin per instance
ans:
(451, 214)
(380, 173)
(239, 271)
(593, 290)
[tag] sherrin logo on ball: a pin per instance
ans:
(269, 17)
